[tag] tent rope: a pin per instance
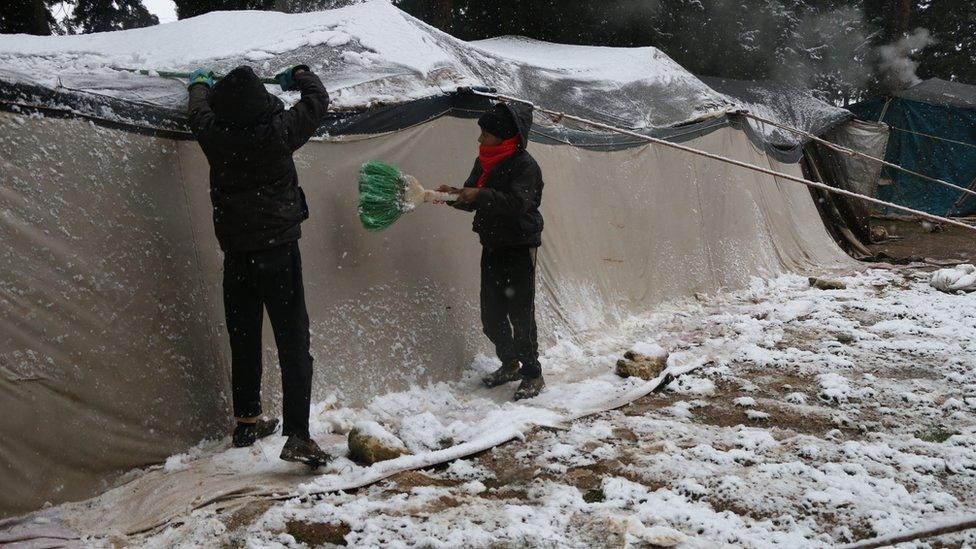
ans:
(852, 152)
(720, 158)
(886, 541)
(930, 136)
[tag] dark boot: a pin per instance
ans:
(530, 387)
(304, 450)
(245, 434)
(508, 373)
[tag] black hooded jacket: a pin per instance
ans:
(248, 138)
(507, 207)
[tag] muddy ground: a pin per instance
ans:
(925, 240)
(752, 453)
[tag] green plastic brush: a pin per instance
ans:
(385, 193)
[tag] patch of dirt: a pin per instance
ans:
(244, 516)
(951, 243)
(911, 372)
(435, 506)
(769, 391)
(408, 480)
(601, 532)
(507, 468)
(316, 534)
(738, 508)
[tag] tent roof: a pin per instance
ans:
(366, 53)
(782, 102)
(373, 53)
(941, 92)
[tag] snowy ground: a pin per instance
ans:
(823, 416)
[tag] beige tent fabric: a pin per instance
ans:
(107, 359)
(112, 349)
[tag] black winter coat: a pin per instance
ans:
(507, 207)
(253, 183)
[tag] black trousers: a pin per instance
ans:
(508, 305)
(269, 279)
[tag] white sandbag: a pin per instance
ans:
(959, 278)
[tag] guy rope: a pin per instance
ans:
(691, 150)
(852, 152)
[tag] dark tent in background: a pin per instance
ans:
(933, 131)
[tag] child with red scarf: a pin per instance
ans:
(505, 191)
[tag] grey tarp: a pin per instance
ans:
(849, 218)
(784, 103)
(857, 173)
(936, 91)
(111, 341)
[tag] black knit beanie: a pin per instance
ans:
(239, 97)
(498, 121)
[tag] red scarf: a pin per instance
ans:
(491, 156)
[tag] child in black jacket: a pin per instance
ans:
(505, 192)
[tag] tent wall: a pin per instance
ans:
(952, 162)
(113, 348)
(108, 357)
(386, 309)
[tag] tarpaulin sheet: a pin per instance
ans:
(936, 156)
(112, 348)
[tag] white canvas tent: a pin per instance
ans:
(112, 349)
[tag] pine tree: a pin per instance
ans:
(110, 15)
(192, 8)
(25, 16)
(953, 26)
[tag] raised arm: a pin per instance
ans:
(301, 121)
(197, 109)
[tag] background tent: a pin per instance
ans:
(112, 350)
(933, 131)
(848, 219)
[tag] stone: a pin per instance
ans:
(827, 283)
(878, 234)
(634, 364)
(369, 447)
(844, 337)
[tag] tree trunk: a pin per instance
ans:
(902, 18)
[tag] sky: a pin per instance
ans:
(164, 9)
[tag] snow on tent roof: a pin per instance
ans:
(782, 102)
(941, 92)
(367, 54)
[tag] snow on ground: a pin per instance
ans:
(851, 416)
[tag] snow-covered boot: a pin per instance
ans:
(508, 373)
(245, 434)
(304, 450)
(530, 387)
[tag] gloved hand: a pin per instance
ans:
(201, 76)
(286, 78)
